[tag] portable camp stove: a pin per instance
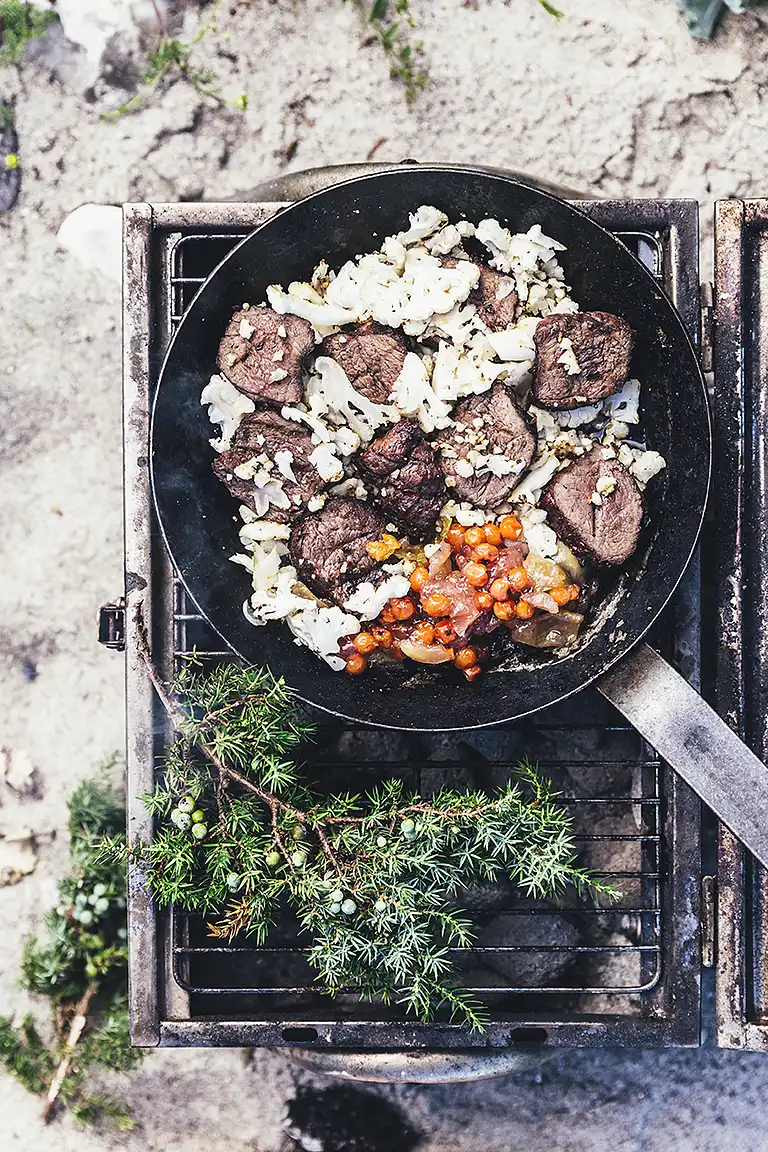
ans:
(681, 959)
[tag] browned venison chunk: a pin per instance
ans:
(601, 344)
(494, 297)
(492, 425)
(264, 433)
(400, 467)
(607, 532)
(262, 353)
(327, 548)
(371, 355)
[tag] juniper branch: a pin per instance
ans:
(372, 878)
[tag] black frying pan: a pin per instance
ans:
(199, 522)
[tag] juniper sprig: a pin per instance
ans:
(81, 968)
(373, 878)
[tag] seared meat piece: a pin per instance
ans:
(581, 357)
(494, 297)
(262, 353)
(327, 548)
(263, 434)
(401, 469)
(372, 357)
(491, 429)
(607, 531)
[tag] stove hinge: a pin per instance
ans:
(112, 625)
(708, 915)
(707, 309)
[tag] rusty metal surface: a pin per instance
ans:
(741, 518)
(668, 1011)
(137, 323)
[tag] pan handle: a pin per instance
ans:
(694, 741)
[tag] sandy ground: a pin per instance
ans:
(614, 99)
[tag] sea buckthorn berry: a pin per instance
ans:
(485, 601)
(386, 616)
(524, 610)
(364, 643)
(437, 604)
(419, 577)
(504, 609)
(474, 536)
(487, 553)
(492, 534)
(424, 633)
(402, 609)
(382, 636)
(510, 527)
(519, 579)
(473, 672)
(499, 589)
(560, 596)
(455, 536)
(445, 633)
(465, 658)
(476, 574)
(356, 664)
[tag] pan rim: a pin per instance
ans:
(658, 294)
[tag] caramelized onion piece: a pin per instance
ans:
(546, 631)
(426, 653)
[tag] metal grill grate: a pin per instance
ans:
(570, 972)
(628, 934)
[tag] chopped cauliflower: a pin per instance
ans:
(226, 407)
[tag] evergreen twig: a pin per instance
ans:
(81, 968)
(373, 878)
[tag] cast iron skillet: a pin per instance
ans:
(199, 522)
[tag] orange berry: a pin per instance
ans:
(476, 574)
(487, 552)
(437, 604)
(356, 664)
(524, 610)
(473, 671)
(402, 609)
(504, 609)
(485, 600)
(560, 596)
(445, 633)
(424, 633)
(386, 616)
(365, 643)
(519, 579)
(474, 536)
(510, 527)
(492, 534)
(499, 589)
(455, 537)
(419, 577)
(382, 636)
(465, 658)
